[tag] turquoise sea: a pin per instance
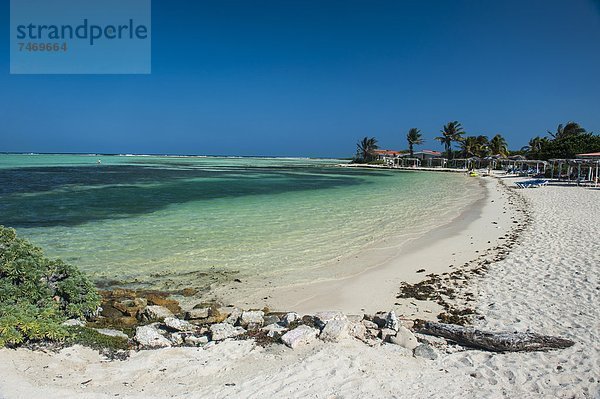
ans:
(172, 222)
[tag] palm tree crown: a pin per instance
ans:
(452, 132)
(365, 148)
(414, 138)
(570, 129)
(498, 145)
(535, 145)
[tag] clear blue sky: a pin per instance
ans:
(309, 78)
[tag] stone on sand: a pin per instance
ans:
(335, 330)
(180, 325)
(405, 338)
(154, 312)
(150, 337)
(221, 331)
(322, 318)
(301, 335)
(252, 318)
(289, 318)
(426, 351)
(194, 314)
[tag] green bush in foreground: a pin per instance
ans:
(37, 294)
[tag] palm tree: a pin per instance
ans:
(535, 145)
(414, 138)
(452, 132)
(570, 129)
(469, 146)
(483, 146)
(365, 149)
(498, 145)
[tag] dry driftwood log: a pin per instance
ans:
(495, 341)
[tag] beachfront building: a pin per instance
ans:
(388, 156)
(424, 158)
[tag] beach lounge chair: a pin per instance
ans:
(532, 183)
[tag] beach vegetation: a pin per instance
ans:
(37, 294)
(565, 142)
(413, 137)
(498, 146)
(533, 149)
(93, 339)
(365, 150)
(475, 146)
(452, 133)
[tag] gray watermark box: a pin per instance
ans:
(80, 37)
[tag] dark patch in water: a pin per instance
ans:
(70, 196)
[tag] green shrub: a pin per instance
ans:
(37, 294)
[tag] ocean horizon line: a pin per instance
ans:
(172, 155)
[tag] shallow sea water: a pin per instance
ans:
(167, 222)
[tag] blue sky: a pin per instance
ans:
(309, 78)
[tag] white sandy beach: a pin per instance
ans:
(548, 283)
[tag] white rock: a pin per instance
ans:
(322, 318)
(74, 323)
(391, 321)
(154, 312)
(289, 318)
(179, 325)
(357, 330)
(221, 331)
(149, 336)
(301, 335)
(192, 340)
(112, 333)
(254, 318)
(335, 330)
(405, 338)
